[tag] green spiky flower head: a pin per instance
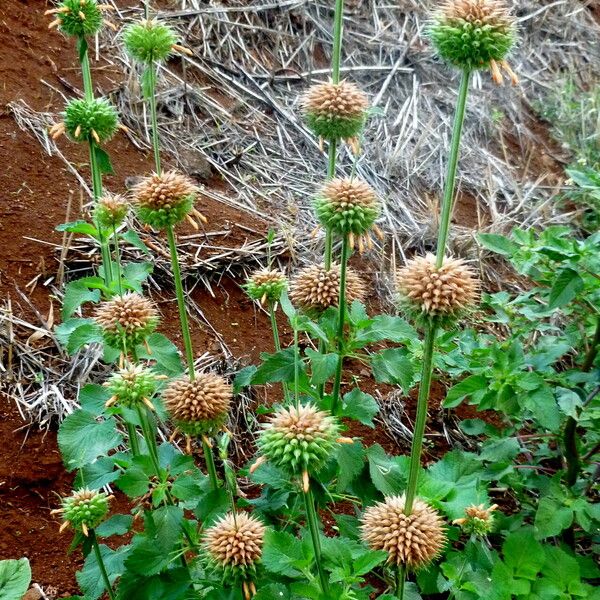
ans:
(110, 211)
(347, 206)
(234, 548)
(78, 18)
(478, 520)
(94, 119)
(199, 406)
(126, 320)
(84, 510)
(299, 440)
(165, 199)
(473, 34)
(335, 111)
(266, 285)
(131, 386)
(149, 41)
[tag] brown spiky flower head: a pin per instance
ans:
(335, 111)
(315, 288)
(199, 406)
(348, 207)
(110, 210)
(475, 34)
(127, 320)
(412, 540)
(298, 440)
(234, 547)
(166, 199)
(478, 520)
(83, 510)
(437, 292)
(266, 285)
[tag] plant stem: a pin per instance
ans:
(447, 202)
(101, 566)
(400, 580)
(150, 439)
(341, 322)
(86, 73)
(117, 259)
(183, 318)
(311, 517)
(153, 117)
(210, 464)
(296, 368)
(277, 343)
(133, 439)
(417, 442)
(336, 58)
(330, 174)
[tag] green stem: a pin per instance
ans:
(150, 440)
(277, 343)
(152, 103)
(296, 368)
(133, 439)
(183, 318)
(330, 174)
(101, 565)
(417, 442)
(400, 580)
(117, 259)
(336, 58)
(341, 322)
(86, 73)
(447, 202)
(311, 517)
(210, 464)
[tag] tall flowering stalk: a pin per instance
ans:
(469, 35)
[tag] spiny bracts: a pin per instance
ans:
(478, 520)
(88, 120)
(83, 510)
(412, 540)
(110, 210)
(266, 285)
(475, 34)
(149, 41)
(199, 406)
(78, 18)
(132, 386)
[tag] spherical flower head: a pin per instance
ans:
(131, 386)
(299, 440)
(335, 110)
(149, 41)
(127, 320)
(94, 119)
(234, 546)
(315, 288)
(266, 285)
(347, 206)
(199, 406)
(164, 200)
(110, 211)
(478, 520)
(446, 291)
(84, 510)
(412, 540)
(473, 34)
(79, 18)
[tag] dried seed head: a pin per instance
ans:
(473, 34)
(127, 320)
(347, 206)
(234, 546)
(79, 18)
(478, 520)
(166, 199)
(413, 540)
(149, 41)
(132, 386)
(84, 509)
(315, 288)
(86, 120)
(299, 439)
(110, 210)
(198, 407)
(266, 284)
(335, 111)
(437, 292)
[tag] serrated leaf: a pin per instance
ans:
(78, 227)
(323, 366)
(498, 244)
(566, 286)
(368, 561)
(387, 327)
(359, 406)
(135, 275)
(15, 576)
(115, 525)
(92, 398)
(386, 474)
(134, 482)
(466, 387)
(243, 378)
(90, 578)
(523, 553)
(132, 237)
(350, 459)
(569, 402)
(393, 366)
(282, 553)
(164, 352)
(82, 438)
(278, 366)
(98, 474)
(551, 518)
(103, 161)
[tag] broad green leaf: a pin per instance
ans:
(551, 518)
(282, 553)
(523, 553)
(393, 366)
(323, 366)
(92, 398)
(466, 387)
(498, 244)
(97, 474)
(132, 237)
(387, 327)
(90, 578)
(566, 287)
(115, 525)
(359, 406)
(386, 474)
(15, 576)
(368, 561)
(569, 402)
(135, 275)
(164, 352)
(78, 227)
(350, 459)
(276, 367)
(243, 378)
(134, 482)
(82, 438)
(103, 161)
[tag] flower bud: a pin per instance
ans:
(149, 41)
(110, 211)
(266, 285)
(201, 406)
(94, 119)
(84, 510)
(477, 520)
(412, 540)
(79, 18)
(131, 386)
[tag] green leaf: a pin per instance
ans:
(92, 398)
(115, 525)
(498, 244)
(82, 438)
(243, 378)
(466, 387)
(387, 327)
(135, 275)
(386, 473)
(566, 287)
(368, 561)
(276, 367)
(79, 227)
(273, 591)
(350, 459)
(98, 474)
(134, 482)
(359, 406)
(90, 578)
(164, 352)
(551, 518)
(213, 505)
(393, 366)
(523, 553)
(282, 553)
(288, 308)
(15, 576)
(186, 488)
(569, 402)
(103, 161)
(323, 366)
(132, 237)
